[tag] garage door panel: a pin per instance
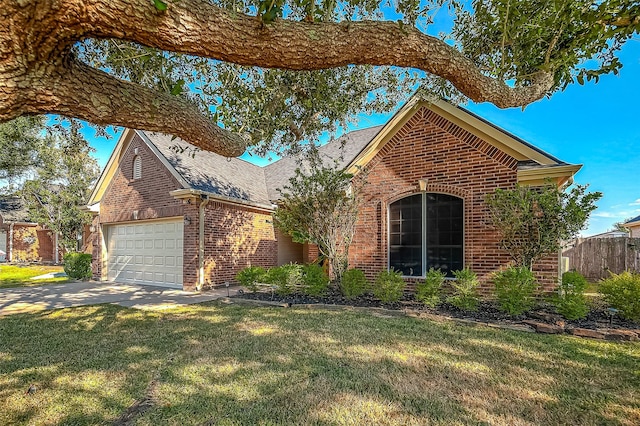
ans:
(146, 253)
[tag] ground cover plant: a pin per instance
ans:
(226, 364)
(22, 275)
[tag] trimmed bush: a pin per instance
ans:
(353, 283)
(77, 265)
(389, 286)
(428, 291)
(570, 302)
(250, 277)
(314, 281)
(622, 292)
(515, 288)
(285, 278)
(465, 290)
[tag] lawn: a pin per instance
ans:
(226, 364)
(22, 276)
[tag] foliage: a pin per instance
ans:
(320, 206)
(515, 287)
(353, 283)
(250, 276)
(389, 286)
(285, 278)
(464, 290)
(533, 221)
(570, 300)
(77, 265)
(622, 291)
(61, 182)
(428, 291)
(19, 143)
(314, 280)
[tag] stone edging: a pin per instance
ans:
(528, 326)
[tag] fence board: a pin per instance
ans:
(596, 257)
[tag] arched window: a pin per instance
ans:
(426, 231)
(137, 167)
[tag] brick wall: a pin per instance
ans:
(452, 161)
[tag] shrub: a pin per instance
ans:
(570, 301)
(77, 265)
(622, 292)
(465, 290)
(285, 278)
(314, 281)
(428, 291)
(250, 277)
(353, 283)
(515, 287)
(389, 286)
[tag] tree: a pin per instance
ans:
(151, 64)
(320, 206)
(533, 221)
(19, 140)
(619, 226)
(61, 184)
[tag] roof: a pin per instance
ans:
(632, 221)
(236, 180)
(12, 209)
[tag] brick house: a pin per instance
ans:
(22, 240)
(165, 217)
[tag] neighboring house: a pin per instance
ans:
(164, 217)
(633, 225)
(20, 239)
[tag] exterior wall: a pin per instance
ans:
(235, 237)
(127, 199)
(634, 231)
(28, 243)
(452, 161)
(288, 251)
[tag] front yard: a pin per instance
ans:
(219, 364)
(22, 276)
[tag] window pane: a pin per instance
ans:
(405, 251)
(444, 233)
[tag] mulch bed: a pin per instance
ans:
(598, 323)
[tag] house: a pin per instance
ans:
(165, 217)
(22, 240)
(633, 225)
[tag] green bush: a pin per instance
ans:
(77, 265)
(515, 288)
(285, 278)
(622, 292)
(314, 281)
(428, 291)
(570, 302)
(465, 290)
(250, 277)
(389, 286)
(353, 283)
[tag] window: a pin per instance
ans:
(426, 231)
(137, 167)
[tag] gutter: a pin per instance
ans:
(189, 193)
(201, 217)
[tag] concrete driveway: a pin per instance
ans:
(33, 299)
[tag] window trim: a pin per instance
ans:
(424, 227)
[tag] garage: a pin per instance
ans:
(145, 252)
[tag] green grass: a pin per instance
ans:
(22, 276)
(228, 365)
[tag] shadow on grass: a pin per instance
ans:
(216, 364)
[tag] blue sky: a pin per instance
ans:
(596, 125)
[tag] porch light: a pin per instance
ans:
(187, 220)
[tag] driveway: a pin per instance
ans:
(32, 299)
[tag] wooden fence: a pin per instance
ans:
(596, 257)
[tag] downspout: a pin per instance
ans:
(201, 217)
(55, 248)
(11, 242)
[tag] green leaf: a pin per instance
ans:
(160, 5)
(177, 88)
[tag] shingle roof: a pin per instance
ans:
(239, 179)
(635, 219)
(12, 209)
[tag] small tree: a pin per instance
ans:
(533, 221)
(320, 206)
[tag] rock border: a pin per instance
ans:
(556, 325)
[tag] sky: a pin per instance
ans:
(596, 125)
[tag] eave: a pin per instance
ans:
(193, 194)
(561, 175)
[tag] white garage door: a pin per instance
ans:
(146, 253)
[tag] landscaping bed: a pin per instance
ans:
(599, 323)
